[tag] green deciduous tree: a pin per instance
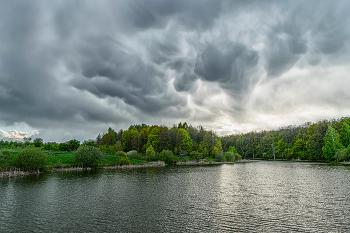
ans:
(38, 142)
(153, 138)
(150, 153)
(331, 144)
(185, 140)
(299, 149)
(345, 135)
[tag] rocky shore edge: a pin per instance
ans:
(247, 161)
(202, 163)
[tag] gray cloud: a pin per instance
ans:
(228, 64)
(68, 65)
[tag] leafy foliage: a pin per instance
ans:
(122, 154)
(196, 155)
(299, 149)
(341, 156)
(219, 157)
(150, 153)
(38, 142)
(345, 135)
(132, 154)
(229, 157)
(31, 160)
(167, 156)
(331, 144)
(88, 156)
(123, 161)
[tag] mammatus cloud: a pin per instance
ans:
(74, 68)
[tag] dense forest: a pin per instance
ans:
(323, 140)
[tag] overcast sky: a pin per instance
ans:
(71, 69)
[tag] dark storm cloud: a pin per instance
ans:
(196, 14)
(68, 64)
(228, 64)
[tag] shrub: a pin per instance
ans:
(196, 155)
(238, 156)
(123, 161)
(122, 154)
(219, 157)
(166, 156)
(232, 149)
(111, 150)
(6, 154)
(31, 160)
(341, 156)
(229, 157)
(88, 156)
(132, 154)
(150, 153)
(185, 159)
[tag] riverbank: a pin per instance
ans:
(17, 172)
(247, 161)
(201, 163)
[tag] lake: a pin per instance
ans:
(265, 196)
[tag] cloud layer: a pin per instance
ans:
(71, 69)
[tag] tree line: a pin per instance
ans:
(323, 140)
(181, 139)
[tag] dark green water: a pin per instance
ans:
(254, 197)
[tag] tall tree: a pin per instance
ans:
(345, 135)
(330, 143)
(153, 138)
(299, 149)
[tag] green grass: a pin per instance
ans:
(109, 158)
(186, 159)
(136, 161)
(60, 158)
(210, 160)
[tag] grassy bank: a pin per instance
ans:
(61, 159)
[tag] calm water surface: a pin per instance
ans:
(254, 197)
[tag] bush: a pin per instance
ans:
(238, 156)
(341, 156)
(88, 156)
(111, 150)
(123, 161)
(6, 154)
(167, 156)
(150, 153)
(219, 157)
(196, 155)
(122, 154)
(185, 159)
(31, 160)
(229, 157)
(132, 154)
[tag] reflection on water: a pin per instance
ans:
(256, 197)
